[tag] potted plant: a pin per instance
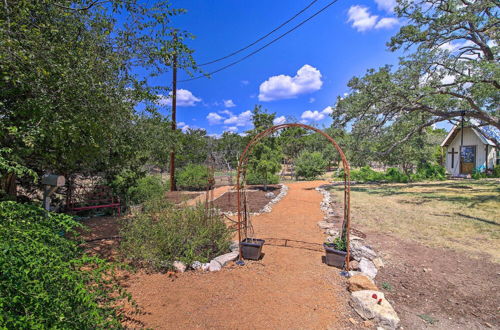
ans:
(251, 248)
(335, 252)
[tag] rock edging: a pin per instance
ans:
(366, 300)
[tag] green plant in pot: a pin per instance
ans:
(335, 252)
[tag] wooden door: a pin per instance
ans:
(467, 159)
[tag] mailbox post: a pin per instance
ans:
(51, 182)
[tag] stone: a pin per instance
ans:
(358, 251)
(226, 258)
(205, 266)
(378, 262)
(354, 265)
(179, 266)
(325, 225)
(353, 273)
(360, 282)
(368, 308)
(367, 267)
(332, 232)
(196, 265)
(214, 266)
(234, 247)
(269, 195)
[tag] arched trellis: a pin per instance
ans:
(242, 164)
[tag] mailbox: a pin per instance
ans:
(53, 180)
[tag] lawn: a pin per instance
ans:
(461, 215)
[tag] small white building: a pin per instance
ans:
(474, 150)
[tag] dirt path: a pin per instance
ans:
(289, 288)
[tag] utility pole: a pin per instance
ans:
(174, 109)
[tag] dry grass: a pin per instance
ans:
(461, 215)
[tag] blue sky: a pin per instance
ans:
(297, 77)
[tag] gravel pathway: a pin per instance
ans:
(290, 288)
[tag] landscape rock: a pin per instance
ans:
(325, 225)
(358, 251)
(196, 265)
(332, 232)
(354, 273)
(214, 266)
(330, 239)
(226, 258)
(269, 195)
(205, 266)
(367, 307)
(361, 282)
(234, 247)
(179, 266)
(354, 265)
(378, 262)
(367, 267)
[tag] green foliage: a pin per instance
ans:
(425, 172)
(496, 171)
(149, 187)
(46, 281)
(367, 174)
(387, 286)
(194, 177)
(310, 165)
(338, 244)
(164, 234)
(263, 164)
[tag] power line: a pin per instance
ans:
(263, 37)
(266, 45)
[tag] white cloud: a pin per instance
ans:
(243, 119)
(386, 23)
(183, 126)
(307, 80)
(312, 115)
(387, 5)
(245, 82)
(279, 120)
(226, 112)
(184, 99)
(361, 18)
(312, 99)
(316, 115)
(327, 111)
(214, 119)
(232, 129)
(229, 103)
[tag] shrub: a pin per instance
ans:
(395, 175)
(496, 171)
(366, 174)
(45, 279)
(193, 177)
(149, 187)
(310, 165)
(256, 178)
(430, 172)
(164, 234)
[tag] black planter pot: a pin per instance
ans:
(251, 248)
(334, 257)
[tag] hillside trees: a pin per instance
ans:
(68, 91)
(450, 68)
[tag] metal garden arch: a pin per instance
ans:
(346, 225)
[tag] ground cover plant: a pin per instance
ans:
(392, 174)
(461, 215)
(46, 281)
(164, 233)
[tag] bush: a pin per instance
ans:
(430, 171)
(43, 283)
(194, 177)
(395, 175)
(496, 171)
(310, 165)
(366, 174)
(164, 234)
(256, 178)
(149, 187)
